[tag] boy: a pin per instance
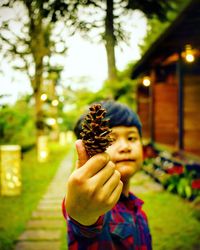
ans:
(100, 211)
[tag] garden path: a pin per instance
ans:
(44, 230)
(143, 183)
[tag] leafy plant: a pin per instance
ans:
(17, 127)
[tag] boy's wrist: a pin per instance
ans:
(85, 222)
(98, 223)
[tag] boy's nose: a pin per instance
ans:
(124, 146)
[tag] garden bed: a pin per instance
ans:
(176, 172)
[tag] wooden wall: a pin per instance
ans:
(165, 110)
(191, 94)
(165, 106)
(143, 110)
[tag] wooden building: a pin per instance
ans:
(170, 106)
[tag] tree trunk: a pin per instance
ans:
(110, 42)
(37, 95)
(38, 50)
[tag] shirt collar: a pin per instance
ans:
(131, 201)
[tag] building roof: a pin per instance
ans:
(185, 29)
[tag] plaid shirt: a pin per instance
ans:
(125, 227)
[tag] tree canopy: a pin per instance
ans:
(29, 39)
(105, 19)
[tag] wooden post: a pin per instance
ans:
(10, 170)
(151, 106)
(179, 71)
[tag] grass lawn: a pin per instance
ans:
(173, 222)
(16, 211)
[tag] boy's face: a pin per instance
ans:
(126, 151)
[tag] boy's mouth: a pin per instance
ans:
(125, 160)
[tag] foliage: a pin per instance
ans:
(17, 127)
(106, 20)
(16, 211)
(74, 104)
(34, 35)
(122, 90)
(76, 101)
(28, 38)
(156, 27)
(182, 178)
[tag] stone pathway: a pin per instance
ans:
(44, 230)
(143, 183)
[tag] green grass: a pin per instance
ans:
(64, 245)
(173, 222)
(16, 211)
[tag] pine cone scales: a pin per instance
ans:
(95, 131)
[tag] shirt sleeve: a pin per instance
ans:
(80, 230)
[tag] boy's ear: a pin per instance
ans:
(82, 154)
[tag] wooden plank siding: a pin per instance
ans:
(166, 114)
(143, 110)
(192, 113)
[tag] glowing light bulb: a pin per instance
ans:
(146, 81)
(55, 103)
(189, 54)
(43, 97)
(189, 58)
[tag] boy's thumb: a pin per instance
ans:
(82, 154)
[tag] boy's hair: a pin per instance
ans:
(119, 115)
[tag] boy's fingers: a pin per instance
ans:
(89, 166)
(104, 174)
(95, 164)
(82, 154)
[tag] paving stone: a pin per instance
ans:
(47, 214)
(154, 186)
(43, 245)
(53, 197)
(44, 230)
(139, 189)
(48, 224)
(141, 176)
(50, 207)
(55, 187)
(41, 234)
(143, 183)
(52, 202)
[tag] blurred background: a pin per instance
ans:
(58, 57)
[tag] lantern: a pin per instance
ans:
(63, 138)
(189, 53)
(10, 170)
(70, 137)
(42, 148)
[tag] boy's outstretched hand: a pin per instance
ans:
(93, 188)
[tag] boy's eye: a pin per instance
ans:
(132, 138)
(113, 138)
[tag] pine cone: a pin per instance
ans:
(95, 131)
